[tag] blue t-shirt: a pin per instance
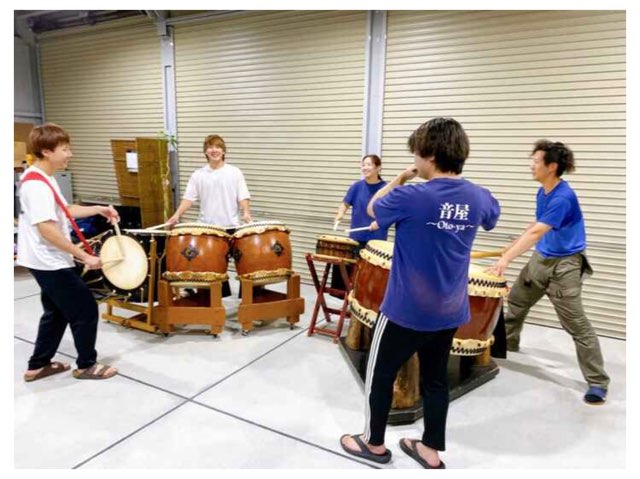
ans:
(358, 197)
(560, 210)
(436, 223)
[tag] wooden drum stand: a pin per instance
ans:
(144, 320)
(262, 304)
(202, 309)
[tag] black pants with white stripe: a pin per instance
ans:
(66, 299)
(391, 347)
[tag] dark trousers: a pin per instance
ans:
(391, 347)
(561, 280)
(66, 299)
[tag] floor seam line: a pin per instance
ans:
(131, 434)
(26, 297)
(281, 433)
(139, 381)
(208, 388)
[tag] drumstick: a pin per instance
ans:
(157, 227)
(147, 231)
(363, 228)
(335, 225)
(119, 236)
(487, 254)
(113, 261)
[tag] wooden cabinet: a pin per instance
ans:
(149, 188)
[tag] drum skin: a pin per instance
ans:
(124, 262)
(268, 250)
(201, 253)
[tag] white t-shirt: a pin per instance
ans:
(219, 192)
(37, 205)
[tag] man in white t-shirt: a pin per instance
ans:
(220, 188)
(45, 247)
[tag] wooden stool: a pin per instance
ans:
(267, 305)
(322, 289)
(200, 309)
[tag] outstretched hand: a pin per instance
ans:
(498, 268)
(171, 222)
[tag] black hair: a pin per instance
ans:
(445, 140)
(556, 152)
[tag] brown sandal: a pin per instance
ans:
(97, 371)
(49, 370)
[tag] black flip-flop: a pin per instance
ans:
(364, 452)
(413, 453)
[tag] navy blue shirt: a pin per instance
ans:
(358, 197)
(560, 209)
(436, 223)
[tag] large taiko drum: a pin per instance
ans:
(337, 247)
(196, 253)
(365, 298)
(486, 293)
(370, 282)
(262, 252)
(125, 266)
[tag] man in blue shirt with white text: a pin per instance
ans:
(426, 298)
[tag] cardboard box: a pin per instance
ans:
(19, 153)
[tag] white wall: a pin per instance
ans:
(26, 90)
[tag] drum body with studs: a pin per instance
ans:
(262, 252)
(486, 293)
(197, 252)
(370, 281)
(337, 247)
(365, 298)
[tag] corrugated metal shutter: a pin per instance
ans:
(102, 83)
(511, 78)
(286, 91)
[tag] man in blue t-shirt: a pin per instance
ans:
(557, 265)
(426, 297)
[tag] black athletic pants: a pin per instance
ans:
(391, 347)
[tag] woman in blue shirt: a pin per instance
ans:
(358, 197)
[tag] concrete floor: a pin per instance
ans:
(280, 399)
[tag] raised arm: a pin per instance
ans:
(399, 180)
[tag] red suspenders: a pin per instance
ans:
(33, 175)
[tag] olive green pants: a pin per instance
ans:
(561, 280)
